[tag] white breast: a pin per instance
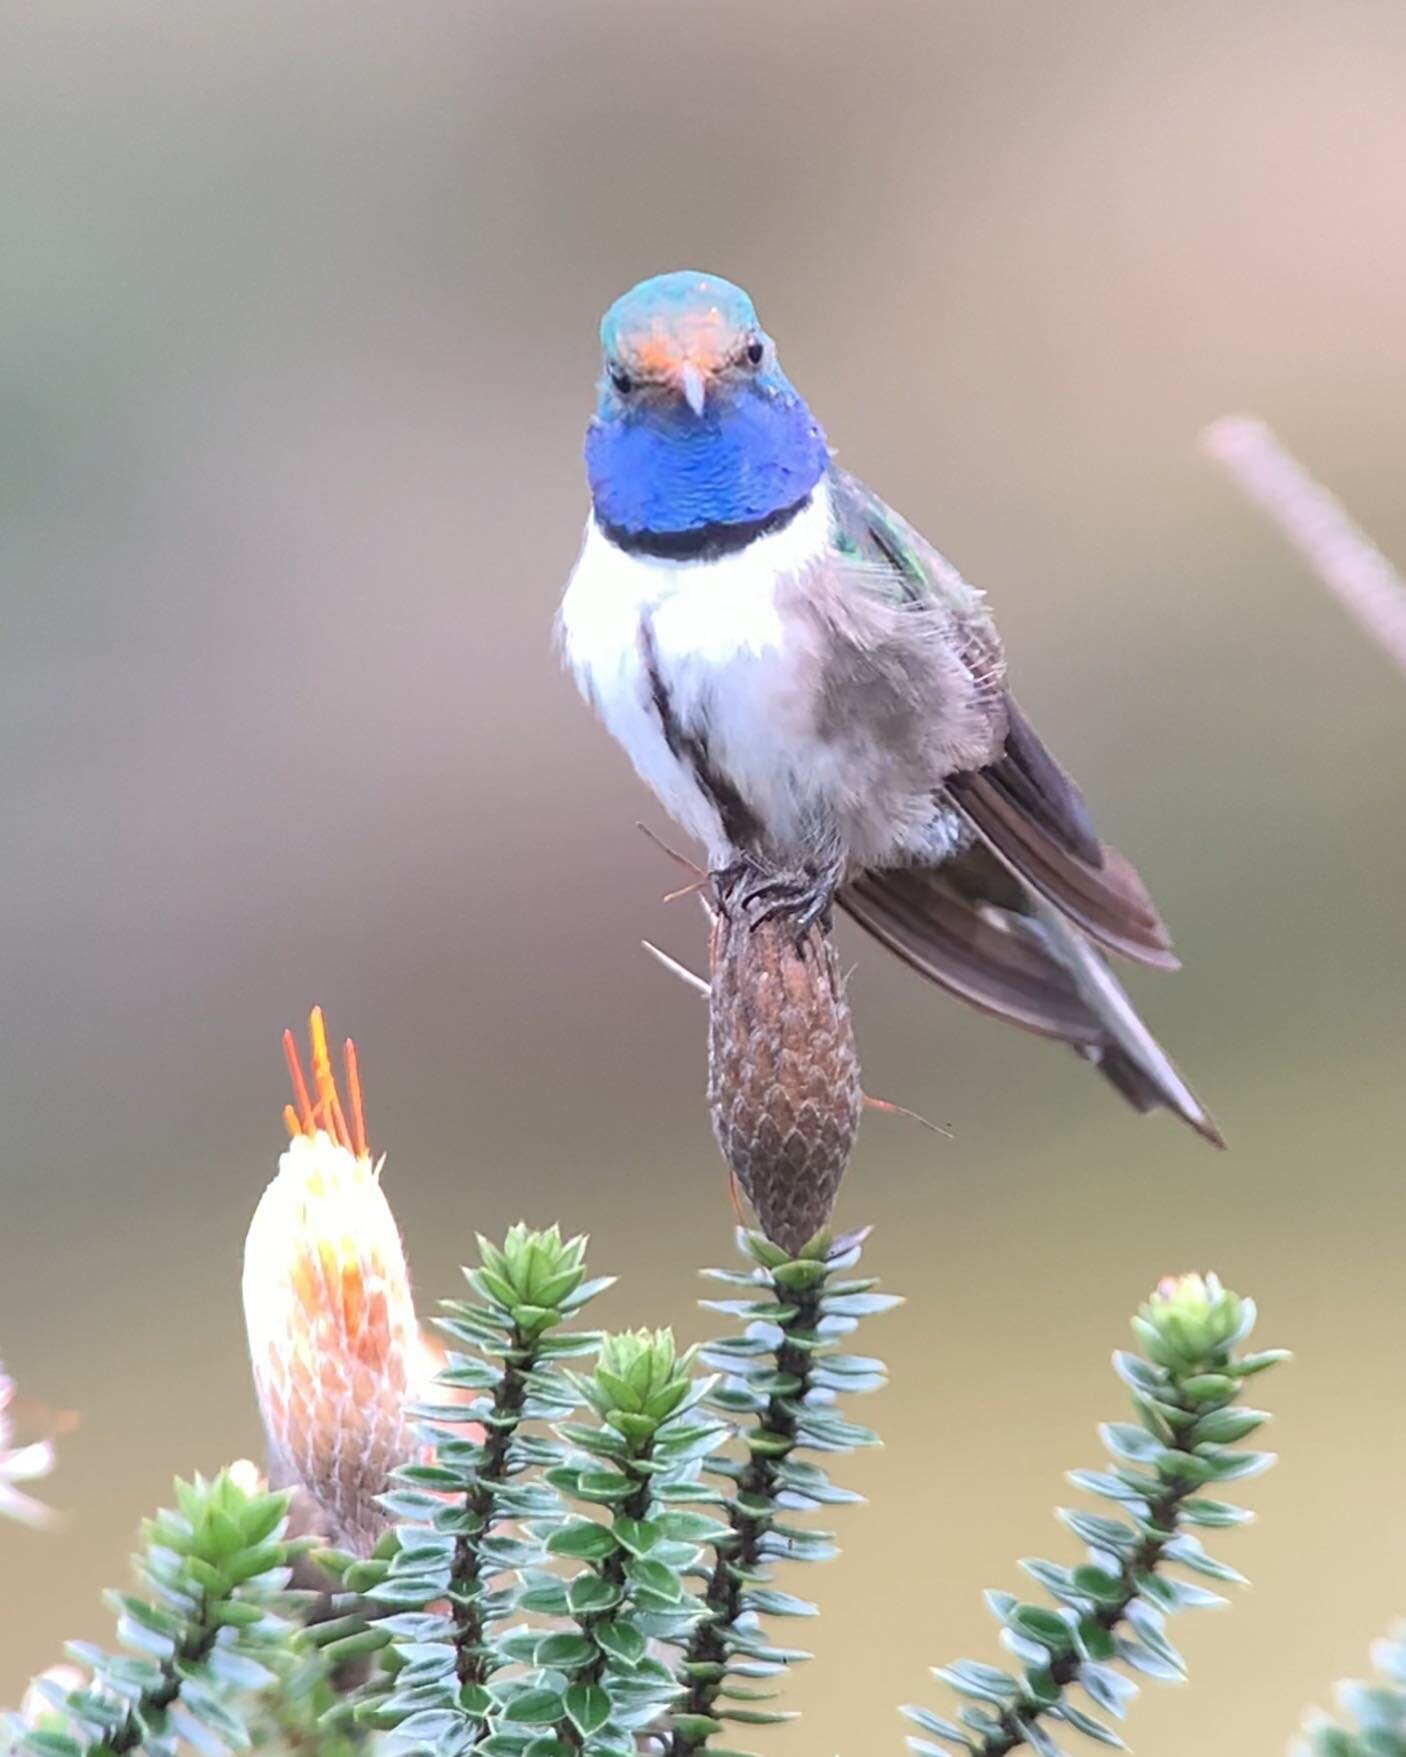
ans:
(719, 644)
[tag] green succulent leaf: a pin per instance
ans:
(776, 1381)
(587, 1708)
(208, 1628)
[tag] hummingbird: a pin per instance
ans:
(819, 697)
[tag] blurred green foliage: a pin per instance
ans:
(1111, 1611)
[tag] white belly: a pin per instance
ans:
(727, 660)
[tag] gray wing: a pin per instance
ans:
(1014, 795)
(1002, 923)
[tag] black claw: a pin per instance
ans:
(763, 896)
(817, 910)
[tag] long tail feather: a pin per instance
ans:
(1130, 1056)
(1028, 966)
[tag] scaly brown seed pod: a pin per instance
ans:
(333, 1341)
(783, 1074)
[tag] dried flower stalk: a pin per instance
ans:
(783, 1073)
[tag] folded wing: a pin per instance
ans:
(1028, 811)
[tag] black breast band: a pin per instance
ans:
(703, 542)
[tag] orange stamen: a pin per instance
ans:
(326, 1081)
(307, 1125)
(307, 1115)
(339, 1130)
(354, 1093)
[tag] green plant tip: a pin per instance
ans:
(1191, 1322)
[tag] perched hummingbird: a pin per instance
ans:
(819, 697)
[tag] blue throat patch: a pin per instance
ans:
(666, 480)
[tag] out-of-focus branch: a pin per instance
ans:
(1341, 554)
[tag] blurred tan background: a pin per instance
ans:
(297, 339)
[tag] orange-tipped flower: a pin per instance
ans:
(333, 1340)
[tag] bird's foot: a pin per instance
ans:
(761, 894)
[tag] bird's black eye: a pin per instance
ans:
(755, 350)
(622, 381)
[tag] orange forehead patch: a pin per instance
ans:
(695, 338)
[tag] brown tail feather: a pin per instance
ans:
(1004, 969)
(1029, 811)
(1106, 897)
(1031, 969)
